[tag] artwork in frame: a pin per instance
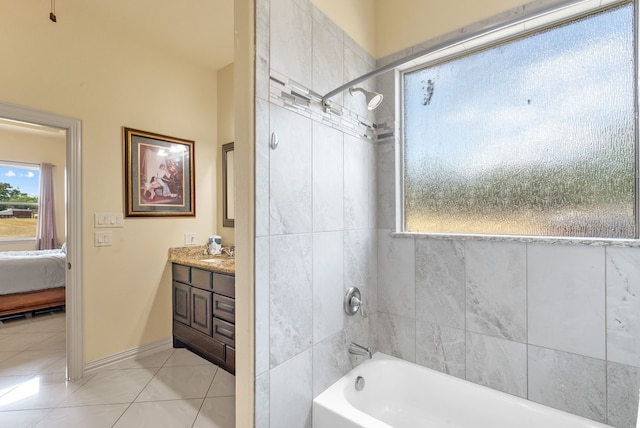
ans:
(159, 175)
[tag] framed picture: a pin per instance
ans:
(158, 174)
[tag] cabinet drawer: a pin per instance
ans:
(224, 284)
(201, 278)
(224, 307)
(224, 332)
(181, 273)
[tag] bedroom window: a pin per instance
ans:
(19, 192)
(535, 136)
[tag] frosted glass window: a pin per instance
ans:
(533, 137)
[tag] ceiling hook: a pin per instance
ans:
(52, 14)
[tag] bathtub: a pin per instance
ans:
(400, 394)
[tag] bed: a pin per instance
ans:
(31, 281)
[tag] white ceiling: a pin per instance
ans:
(199, 30)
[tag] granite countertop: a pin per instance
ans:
(197, 256)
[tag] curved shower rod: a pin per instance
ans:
(465, 36)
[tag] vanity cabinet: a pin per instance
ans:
(204, 314)
(181, 311)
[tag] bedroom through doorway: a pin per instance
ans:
(40, 330)
(32, 242)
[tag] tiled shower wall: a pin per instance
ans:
(315, 210)
(556, 323)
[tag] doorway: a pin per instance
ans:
(73, 223)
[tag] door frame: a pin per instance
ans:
(73, 221)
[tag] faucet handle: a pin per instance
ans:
(358, 301)
(352, 301)
(355, 301)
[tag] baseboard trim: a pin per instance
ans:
(139, 352)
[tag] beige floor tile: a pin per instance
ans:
(22, 418)
(86, 416)
(43, 391)
(54, 340)
(59, 366)
(164, 389)
(8, 383)
(217, 412)
(183, 357)
(111, 387)
(224, 384)
(29, 362)
(5, 355)
(46, 323)
(22, 341)
(181, 382)
(161, 414)
(14, 325)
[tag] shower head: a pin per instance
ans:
(373, 98)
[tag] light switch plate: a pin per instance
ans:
(102, 220)
(103, 238)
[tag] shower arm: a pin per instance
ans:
(465, 36)
(326, 104)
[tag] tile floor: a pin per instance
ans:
(173, 388)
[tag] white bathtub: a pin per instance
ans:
(400, 394)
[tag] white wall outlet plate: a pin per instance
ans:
(189, 238)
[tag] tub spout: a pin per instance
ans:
(356, 349)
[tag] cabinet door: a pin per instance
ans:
(181, 307)
(201, 315)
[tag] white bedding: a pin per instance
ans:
(22, 271)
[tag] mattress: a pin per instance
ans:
(22, 271)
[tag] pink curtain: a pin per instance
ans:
(46, 238)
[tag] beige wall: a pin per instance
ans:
(383, 27)
(21, 145)
(225, 135)
(356, 17)
(404, 23)
(87, 69)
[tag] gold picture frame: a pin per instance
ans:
(159, 175)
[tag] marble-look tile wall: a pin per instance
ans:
(316, 223)
(558, 324)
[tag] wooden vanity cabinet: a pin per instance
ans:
(201, 315)
(204, 314)
(181, 306)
